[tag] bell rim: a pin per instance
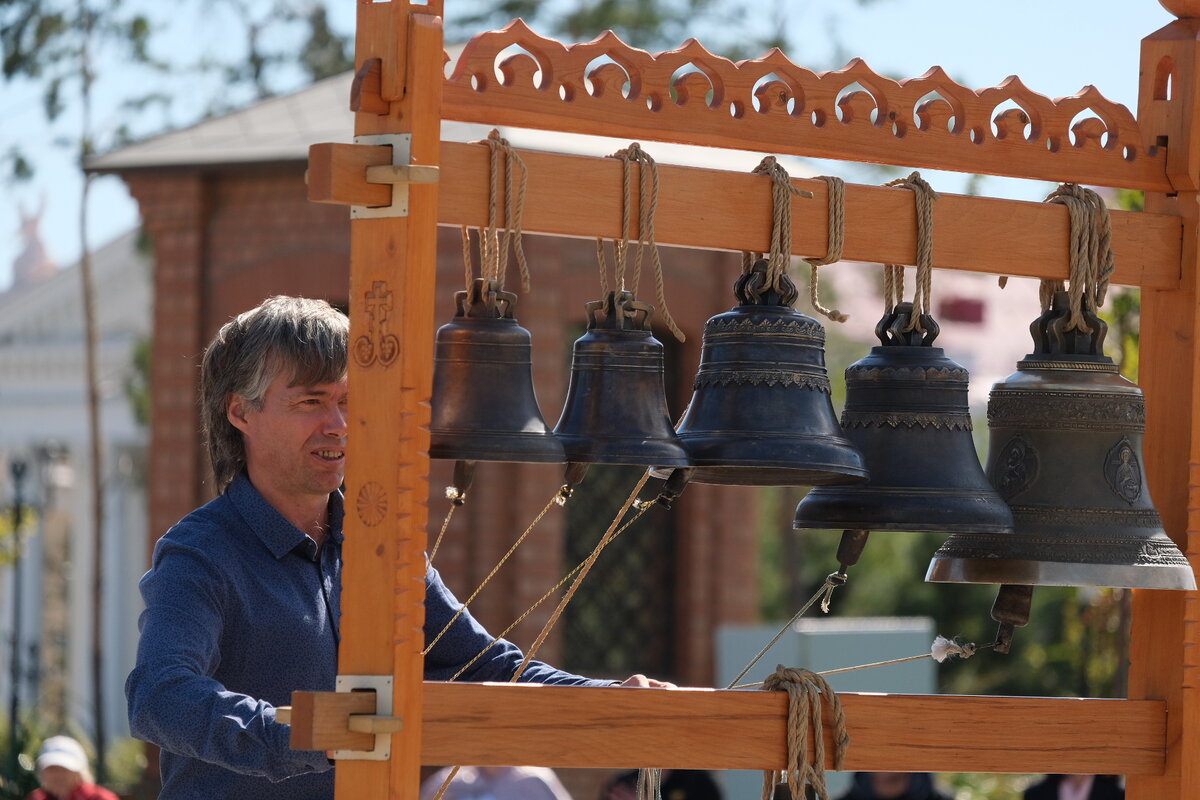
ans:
(1172, 577)
(529, 447)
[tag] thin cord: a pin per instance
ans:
(555, 500)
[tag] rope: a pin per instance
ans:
(807, 694)
(445, 524)
(648, 191)
(603, 267)
(1091, 255)
(468, 265)
(494, 253)
(557, 499)
(781, 221)
(837, 239)
(924, 196)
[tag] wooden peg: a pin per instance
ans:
(410, 173)
(366, 92)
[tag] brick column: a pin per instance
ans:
(173, 210)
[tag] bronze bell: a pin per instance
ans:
(1066, 454)
(906, 410)
(616, 406)
(483, 405)
(761, 413)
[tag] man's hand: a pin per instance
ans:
(640, 681)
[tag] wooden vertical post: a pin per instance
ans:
(392, 277)
(1166, 625)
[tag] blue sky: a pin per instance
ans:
(1055, 47)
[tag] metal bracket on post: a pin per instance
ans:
(400, 174)
(382, 686)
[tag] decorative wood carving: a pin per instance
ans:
(516, 77)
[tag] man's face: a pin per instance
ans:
(295, 443)
(58, 781)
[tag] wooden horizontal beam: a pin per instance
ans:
(714, 209)
(561, 726)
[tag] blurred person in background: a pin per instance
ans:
(63, 772)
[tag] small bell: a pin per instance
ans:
(616, 406)
(761, 413)
(1066, 454)
(906, 410)
(483, 403)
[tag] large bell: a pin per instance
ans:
(616, 406)
(906, 410)
(1066, 454)
(761, 413)
(483, 405)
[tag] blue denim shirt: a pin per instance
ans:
(242, 610)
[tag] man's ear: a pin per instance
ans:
(235, 411)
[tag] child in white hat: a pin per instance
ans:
(62, 770)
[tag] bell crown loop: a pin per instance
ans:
(1051, 336)
(892, 329)
(485, 300)
(619, 310)
(753, 288)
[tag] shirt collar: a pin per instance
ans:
(278, 535)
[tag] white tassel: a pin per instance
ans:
(943, 648)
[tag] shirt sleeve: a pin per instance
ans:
(466, 644)
(173, 700)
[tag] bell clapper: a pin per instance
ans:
(464, 476)
(850, 549)
(573, 475)
(1011, 610)
(673, 487)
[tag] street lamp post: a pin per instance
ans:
(17, 468)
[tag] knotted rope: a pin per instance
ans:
(493, 251)
(781, 222)
(648, 189)
(1091, 254)
(893, 274)
(837, 238)
(808, 694)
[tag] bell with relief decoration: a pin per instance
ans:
(906, 410)
(616, 406)
(1066, 454)
(483, 404)
(761, 413)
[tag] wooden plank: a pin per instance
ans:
(561, 726)
(772, 105)
(392, 277)
(581, 196)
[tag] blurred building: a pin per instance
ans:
(44, 436)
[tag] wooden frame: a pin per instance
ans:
(767, 105)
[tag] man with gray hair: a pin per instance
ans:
(243, 595)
